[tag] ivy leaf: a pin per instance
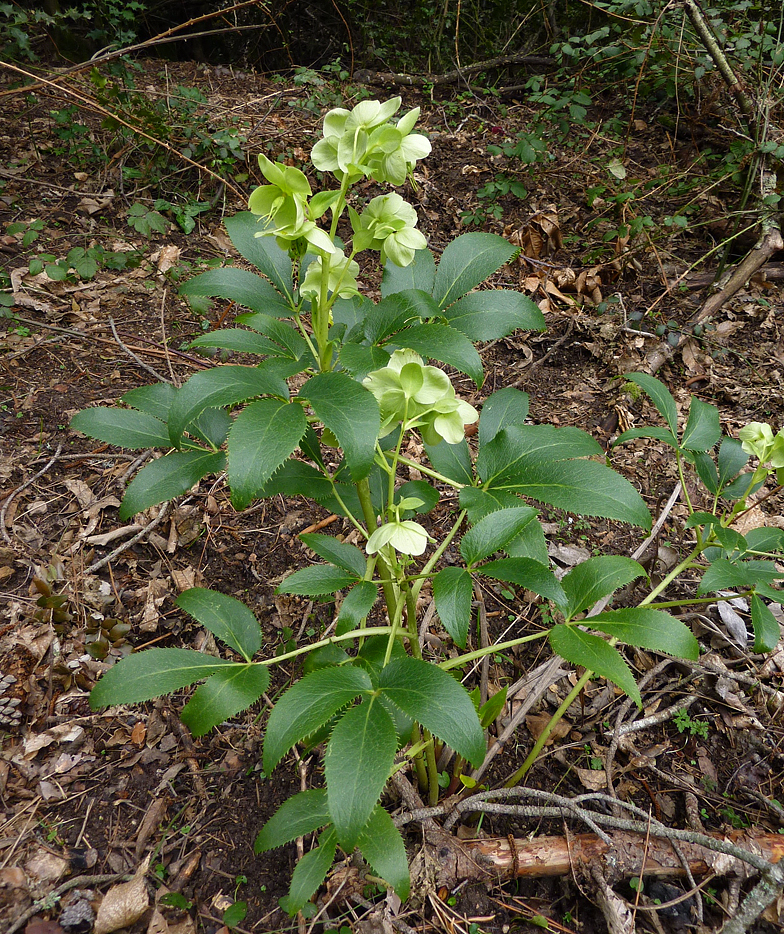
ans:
(124, 428)
(301, 814)
(382, 846)
(359, 759)
(153, 673)
(309, 704)
(452, 592)
(226, 618)
(223, 695)
(592, 652)
(596, 578)
(466, 262)
(351, 414)
(168, 477)
(494, 313)
(438, 702)
(262, 437)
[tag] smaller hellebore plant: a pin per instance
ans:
(369, 397)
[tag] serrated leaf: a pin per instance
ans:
(478, 503)
(466, 262)
(359, 758)
(395, 311)
(296, 478)
(360, 359)
(301, 814)
(452, 460)
(660, 396)
(492, 314)
(765, 539)
(648, 629)
(382, 846)
(525, 573)
(154, 400)
(515, 447)
(596, 578)
(438, 702)
(728, 575)
(345, 556)
(226, 618)
(211, 427)
(351, 414)
(307, 705)
(153, 673)
(310, 872)
(223, 695)
(493, 532)
(592, 652)
(261, 439)
(530, 543)
(240, 286)
(316, 580)
(356, 605)
(125, 428)
(767, 632)
(218, 387)
(445, 344)
(654, 431)
(506, 407)
(419, 274)
(168, 477)
(239, 340)
(452, 592)
(702, 429)
(292, 343)
(263, 252)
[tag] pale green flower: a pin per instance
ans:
(342, 278)
(405, 536)
(388, 224)
(757, 440)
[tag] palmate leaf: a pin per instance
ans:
(452, 592)
(648, 629)
(345, 556)
(592, 652)
(124, 428)
(596, 578)
(309, 704)
(301, 814)
(351, 414)
(493, 532)
(310, 872)
(506, 407)
(223, 695)
(494, 313)
(445, 344)
(240, 286)
(438, 702)
(263, 252)
(226, 618)
(382, 846)
(153, 673)
(468, 261)
(262, 438)
(359, 758)
(168, 477)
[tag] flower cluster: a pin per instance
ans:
(421, 397)
(759, 441)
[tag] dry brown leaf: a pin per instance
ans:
(536, 723)
(592, 779)
(124, 904)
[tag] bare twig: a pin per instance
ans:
(14, 493)
(151, 370)
(152, 524)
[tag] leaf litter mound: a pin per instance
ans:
(90, 797)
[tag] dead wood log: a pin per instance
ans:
(459, 75)
(628, 854)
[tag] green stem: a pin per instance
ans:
(428, 472)
(489, 650)
(330, 640)
(428, 568)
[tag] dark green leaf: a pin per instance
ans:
(382, 846)
(660, 396)
(211, 427)
(307, 705)
(396, 310)
(492, 532)
(152, 673)
(290, 341)
(238, 340)
(154, 400)
(125, 428)
(489, 315)
(767, 631)
(654, 431)
(220, 386)
(345, 556)
(506, 407)
(299, 815)
(445, 344)
(261, 439)
(235, 914)
(706, 471)
(226, 618)
(592, 652)
(530, 543)
(702, 429)
(648, 629)
(515, 447)
(351, 414)
(357, 604)
(478, 503)
(359, 359)
(452, 460)
(468, 261)
(223, 695)
(316, 580)
(296, 478)
(359, 759)
(732, 459)
(310, 872)
(596, 578)
(240, 286)
(418, 489)
(438, 702)
(452, 592)
(419, 274)
(263, 252)
(727, 575)
(765, 540)
(525, 573)
(168, 477)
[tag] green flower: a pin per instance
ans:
(757, 438)
(395, 150)
(405, 536)
(422, 396)
(388, 224)
(342, 277)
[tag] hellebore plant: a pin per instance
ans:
(366, 389)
